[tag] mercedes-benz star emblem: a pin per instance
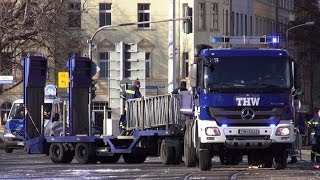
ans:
(247, 113)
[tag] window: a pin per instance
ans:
(245, 25)
(227, 22)
(214, 16)
(105, 14)
(232, 19)
(251, 26)
(237, 24)
(148, 64)
(74, 15)
(202, 16)
(6, 65)
(104, 64)
(185, 68)
(241, 24)
(143, 15)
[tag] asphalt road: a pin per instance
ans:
(20, 165)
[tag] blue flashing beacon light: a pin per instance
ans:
(273, 39)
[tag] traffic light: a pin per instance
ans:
(187, 24)
(93, 89)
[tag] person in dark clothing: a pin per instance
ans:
(183, 87)
(315, 145)
(131, 93)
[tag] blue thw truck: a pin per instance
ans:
(154, 127)
(243, 103)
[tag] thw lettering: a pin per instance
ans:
(247, 101)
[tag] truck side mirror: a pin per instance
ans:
(193, 75)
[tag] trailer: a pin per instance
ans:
(155, 126)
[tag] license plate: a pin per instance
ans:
(20, 143)
(249, 131)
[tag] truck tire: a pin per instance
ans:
(177, 154)
(85, 153)
(280, 159)
(109, 159)
(189, 149)
(134, 158)
(57, 153)
(205, 161)
(167, 153)
(8, 150)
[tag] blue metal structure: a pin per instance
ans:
(34, 79)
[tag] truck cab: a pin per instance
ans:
(243, 105)
(14, 127)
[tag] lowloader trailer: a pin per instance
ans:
(154, 124)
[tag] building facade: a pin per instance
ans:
(209, 18)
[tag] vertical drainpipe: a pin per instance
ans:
(171, 48)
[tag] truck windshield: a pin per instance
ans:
(249, 73)
(17, 111)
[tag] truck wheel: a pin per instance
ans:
(8, 150)
(85, 154)
(109, 159)
(166, 153)
(205, 161)
(189, 149)
(134, 158)
(57, 153)
(177, 154)
(280, 160)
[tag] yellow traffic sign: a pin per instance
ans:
(63, 79)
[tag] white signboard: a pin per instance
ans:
(50, 90)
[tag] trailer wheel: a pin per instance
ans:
(57, 153)
(167, 154)
(189, 149)
(109, 159)
(85, 154)
(134, 158)
(205, 161)
(8, 150)
(280, 160)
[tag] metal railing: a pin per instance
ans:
(152, 112)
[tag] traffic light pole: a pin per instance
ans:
(90, 42)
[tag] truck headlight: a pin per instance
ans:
(212, 131)
(283, 131)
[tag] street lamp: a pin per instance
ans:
(310, 23)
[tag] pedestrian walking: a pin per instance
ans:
(315, 144)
